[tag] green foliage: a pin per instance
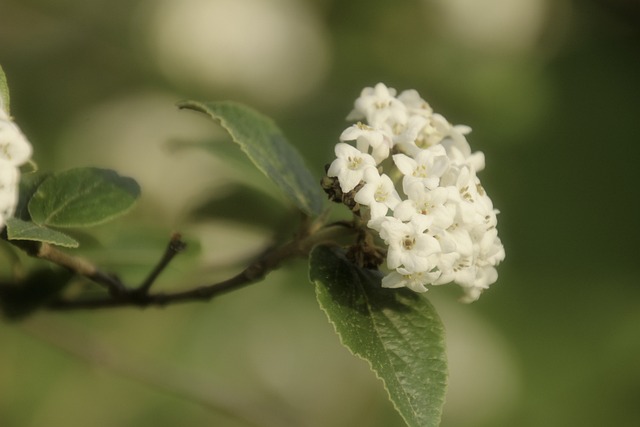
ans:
(268, 149)
(79, 197)
(396, 330)
(4, 91)
(29, 184)
(18, 229)
(82, 197)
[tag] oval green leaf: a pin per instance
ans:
(396, 330)
(18, 229)
(268, 149)
(4, 91)
(29, 183)
(82, 197)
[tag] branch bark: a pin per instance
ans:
(121, 296)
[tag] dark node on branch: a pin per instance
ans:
(331, 186)
(369, 258)
(175, 246)
(365, 253)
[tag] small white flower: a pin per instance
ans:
(455, 267)
(404, 278)
(462, 183)
(378, 193)
(459, 150)
(414, 103)
(409, 246)
(349, 166)
(367, 137)
(484, 277)
(489, 249)
(425, 168)
(405, 138)
(458, 231)
(378, 105)
(427, 206)
(471, 294)
(434, 131)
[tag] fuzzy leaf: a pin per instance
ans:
(29, 184)
(396, 330)
(18, 229)
(82, 197)
(270, 152)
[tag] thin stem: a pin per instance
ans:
(81, 267)
(255, 272)
(175, 246)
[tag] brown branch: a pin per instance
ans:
(175, 246)
(272, 258)
(81, 267)
(252, 274)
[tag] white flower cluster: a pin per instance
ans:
(439, 224)
(15, 151)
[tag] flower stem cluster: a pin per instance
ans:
(15, 151)
(415, 174)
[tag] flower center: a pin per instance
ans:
(461, 264)
(354, 162)
(398, 128)
(424, 208)
(362, 126)
(4, 149)
(408, 242)
(420, 171)
(466, 195)
(380, 195)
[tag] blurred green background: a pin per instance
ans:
(551, 89)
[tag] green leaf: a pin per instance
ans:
(82, 197)
(18, 229)
(4, 91)
(29, 183)
(266, 146)
(396, 330)
(237, 165)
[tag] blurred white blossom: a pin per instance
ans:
(15, 151)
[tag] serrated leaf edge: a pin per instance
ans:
(306, 205)
(316, 284)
